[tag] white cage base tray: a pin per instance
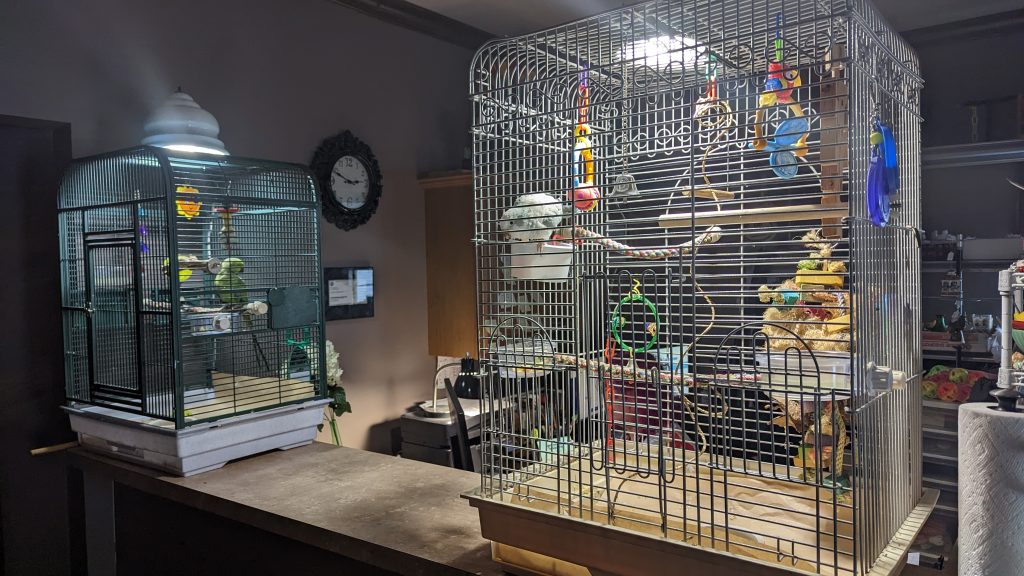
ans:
(198, 448)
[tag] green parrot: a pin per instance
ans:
(230, 287)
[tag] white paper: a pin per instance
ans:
(341, 292)
(357, 289)
(914, 558)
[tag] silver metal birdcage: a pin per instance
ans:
(697, 325)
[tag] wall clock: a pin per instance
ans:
(349, 179)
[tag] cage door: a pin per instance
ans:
(112, 310)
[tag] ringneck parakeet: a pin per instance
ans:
(229, 284)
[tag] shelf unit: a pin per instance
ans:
(968, 265)
(939, 471)
(959, 357)
(939, 435)
(975, 154)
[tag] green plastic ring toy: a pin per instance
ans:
(616, 322)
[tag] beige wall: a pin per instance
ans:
(280, 75)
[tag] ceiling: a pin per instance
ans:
(513, 17)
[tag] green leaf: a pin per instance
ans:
(339, 402)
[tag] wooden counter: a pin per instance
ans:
(367, 509)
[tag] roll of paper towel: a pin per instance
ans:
(991, 486)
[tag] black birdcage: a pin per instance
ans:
(191, 286)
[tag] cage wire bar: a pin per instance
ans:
(191, 286)
(689, 326)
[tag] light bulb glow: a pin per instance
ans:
(193, 148)
(661, 51)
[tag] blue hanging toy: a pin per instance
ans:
(790, 139)
(788, 136)
(143, 232)
(883, 173)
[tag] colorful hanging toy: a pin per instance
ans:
(585, 194)
(790, 139)
(227, 230)
(712, 115)
(187, 208)
(143, 232)
(883, 173)
(619, 322)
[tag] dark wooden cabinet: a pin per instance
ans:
(451, 266)
(33, 493)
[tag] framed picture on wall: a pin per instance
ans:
(348, 293)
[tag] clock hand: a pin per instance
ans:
(347, 181)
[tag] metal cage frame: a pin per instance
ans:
(626, 346)
(233, 241)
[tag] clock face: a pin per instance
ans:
(350, 182)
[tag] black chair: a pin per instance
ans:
(462, 433)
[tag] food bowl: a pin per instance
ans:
(797, 374)
(544, 261)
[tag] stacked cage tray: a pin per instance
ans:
(193, 326)
(693, 333)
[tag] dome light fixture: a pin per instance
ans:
(180, 124)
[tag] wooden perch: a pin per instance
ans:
(708, 193)
(186, 262)
(54, 448)
(754, 215)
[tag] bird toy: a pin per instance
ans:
(713, 117)
(227, 231)
(584, 193)
(187, 207)
(143, 232)
(711, 114)
(883, 173)
(790, 138)
(618, 321)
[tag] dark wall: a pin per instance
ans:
(973, 201)
(33, 516)
(280, 76)
(963, 69)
